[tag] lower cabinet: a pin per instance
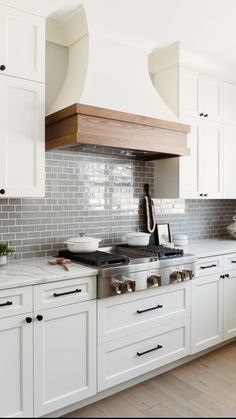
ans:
(126, 358)
(65, 356)
(230, 305)
(47, 357)
(206, 312)
(16, 366)
(213, 309)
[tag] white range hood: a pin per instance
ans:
(109, 73)
(117, 73)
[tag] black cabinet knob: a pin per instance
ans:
(39, 317)
(2, 67)
(201, 194)
(28, 320)
(201, 114)
(206, 194)
(206, 115)
(2, 191)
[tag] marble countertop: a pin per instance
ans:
(38, 270)
(207, 248)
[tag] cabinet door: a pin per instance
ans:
(65, 356)
(212, 159)
(229, 162)
(230, 104)
(16, 366)
(213, 99)
(190, 91)
(22, 44)
(230, 306)
(21, 138)
(191, 171)
(206, 312)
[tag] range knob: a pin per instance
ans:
(118, 287)
(187, 274)
(130, 284)
(176, 277)
(153, 281)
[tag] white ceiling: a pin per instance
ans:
(203, 26)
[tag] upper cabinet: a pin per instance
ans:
(22, 104)
(200, 96)
(208, 105)
(230, 104)
(22, 44)
(22, 140)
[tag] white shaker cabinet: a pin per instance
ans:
(211, 164)
(198, 99)
(206, 312)
(22, 140)
(230, 305)
(198, 175)
(65, 356)
(22, 43)
(230, 104)
(16, 366)
(229, 161)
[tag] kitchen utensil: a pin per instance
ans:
(138, 239)
(54, 261)
(82, 244)
(61, 261)
(150, 211)
(232, 228)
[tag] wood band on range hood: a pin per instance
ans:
(78, 125)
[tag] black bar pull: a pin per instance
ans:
(66, 293)
(8, 303)
(233, 261)
(150, 350)
(149, 309)
(208, 267)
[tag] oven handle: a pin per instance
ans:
(150, 309)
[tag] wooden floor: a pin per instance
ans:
(205, 387)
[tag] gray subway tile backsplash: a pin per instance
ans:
(100, 196)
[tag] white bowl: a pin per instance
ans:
(180, 239)
(138, 239)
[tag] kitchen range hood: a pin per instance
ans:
(107, 102)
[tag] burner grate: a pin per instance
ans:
(152, 250)
(96, 258)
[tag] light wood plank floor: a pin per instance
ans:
(205, 387)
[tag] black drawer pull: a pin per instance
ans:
(150, 350)
(8, 303)
(149, 309)
(233, 261)
(66, 293)
(208, 267)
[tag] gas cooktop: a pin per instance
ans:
(125, 269)
(122, 254)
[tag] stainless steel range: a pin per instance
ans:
(124, 269)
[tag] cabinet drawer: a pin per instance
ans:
(125, 315)
(16, 301)
(65, 292)
(230, 262)
(210, 265)
(124, 359)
